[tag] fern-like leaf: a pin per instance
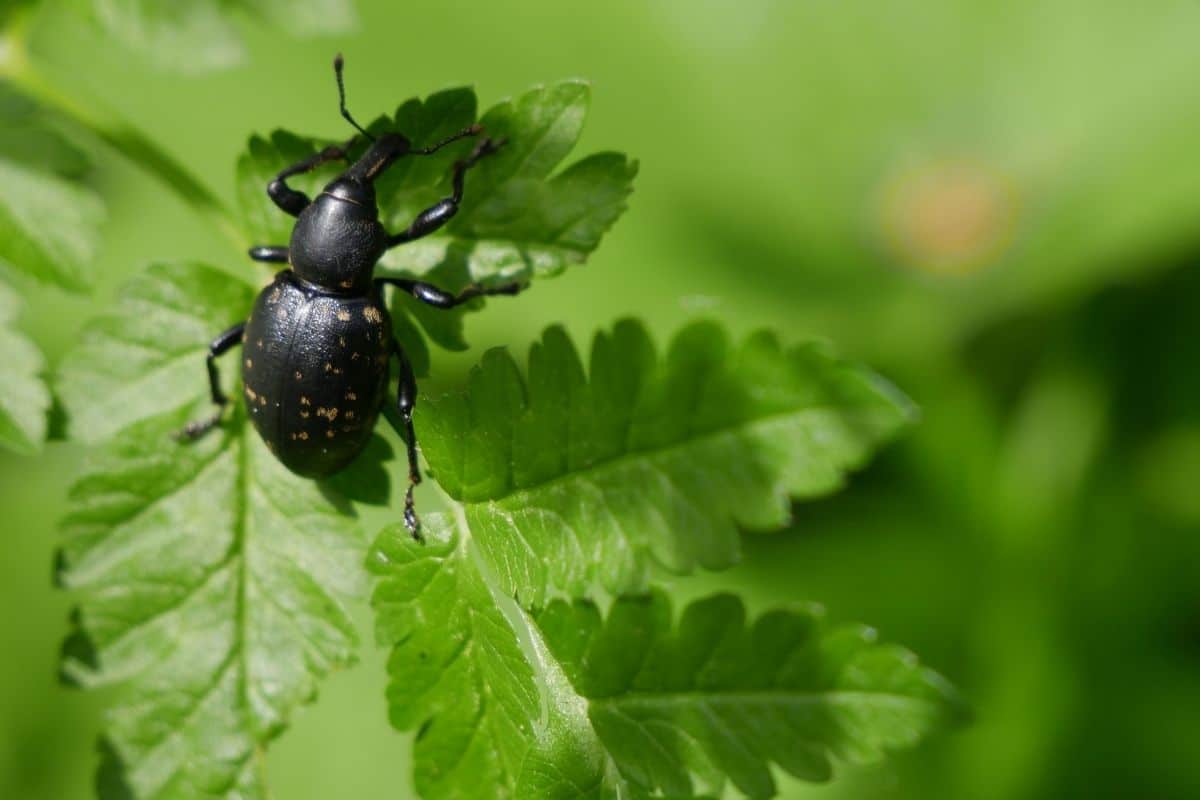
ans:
(566, 704)
(568, 479)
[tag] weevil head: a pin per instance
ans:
(379, 156)
(338, 238)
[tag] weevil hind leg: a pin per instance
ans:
(406, 401)
(217, 348)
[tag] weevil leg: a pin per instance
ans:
(439, 298)
(277, 254)
(442, 211)
(406, 400)
(470, 130)
(292, 200)
(217, 348)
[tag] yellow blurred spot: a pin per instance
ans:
(952, 217)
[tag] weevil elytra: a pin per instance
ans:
(318, 343)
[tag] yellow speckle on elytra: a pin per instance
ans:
(262, 400)
(342, 341)
(351, 396)
(249, 363)
(299, 375)
(372, 314)
(304, 401)
(329, 434)
(302, 436)
(251, 394)
(304, 415)
(343, 315)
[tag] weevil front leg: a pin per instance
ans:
(293, 201)
(442, 211)
(217, 348)
(406, 401)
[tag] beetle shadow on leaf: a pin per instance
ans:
(366, 480)
(78, 653)
(111, 783)
(409, 337)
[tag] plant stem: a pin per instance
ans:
(16, 68)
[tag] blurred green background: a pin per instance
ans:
(996, 204)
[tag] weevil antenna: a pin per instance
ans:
(338, 64)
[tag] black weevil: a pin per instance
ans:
(319, 340)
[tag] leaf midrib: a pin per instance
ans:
(238, 551)
(771, 696)
(622, 460)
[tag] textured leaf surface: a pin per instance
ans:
(569, 705)
(495, 713)
(457, 657)
(568, 478)
(519, 220)
(194, 36)
(145, 354)
(714, 695)
(210, 579)
(49, 218)
(23, 396)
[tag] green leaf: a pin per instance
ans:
(49, 218)
(714, 695)
(496, 718)
(456, 658)
(569, 479)
(145, 355)
(24, 399)
(210, 579)
(49, 224)
(567, 705)
(519, 219)
(195, 36)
